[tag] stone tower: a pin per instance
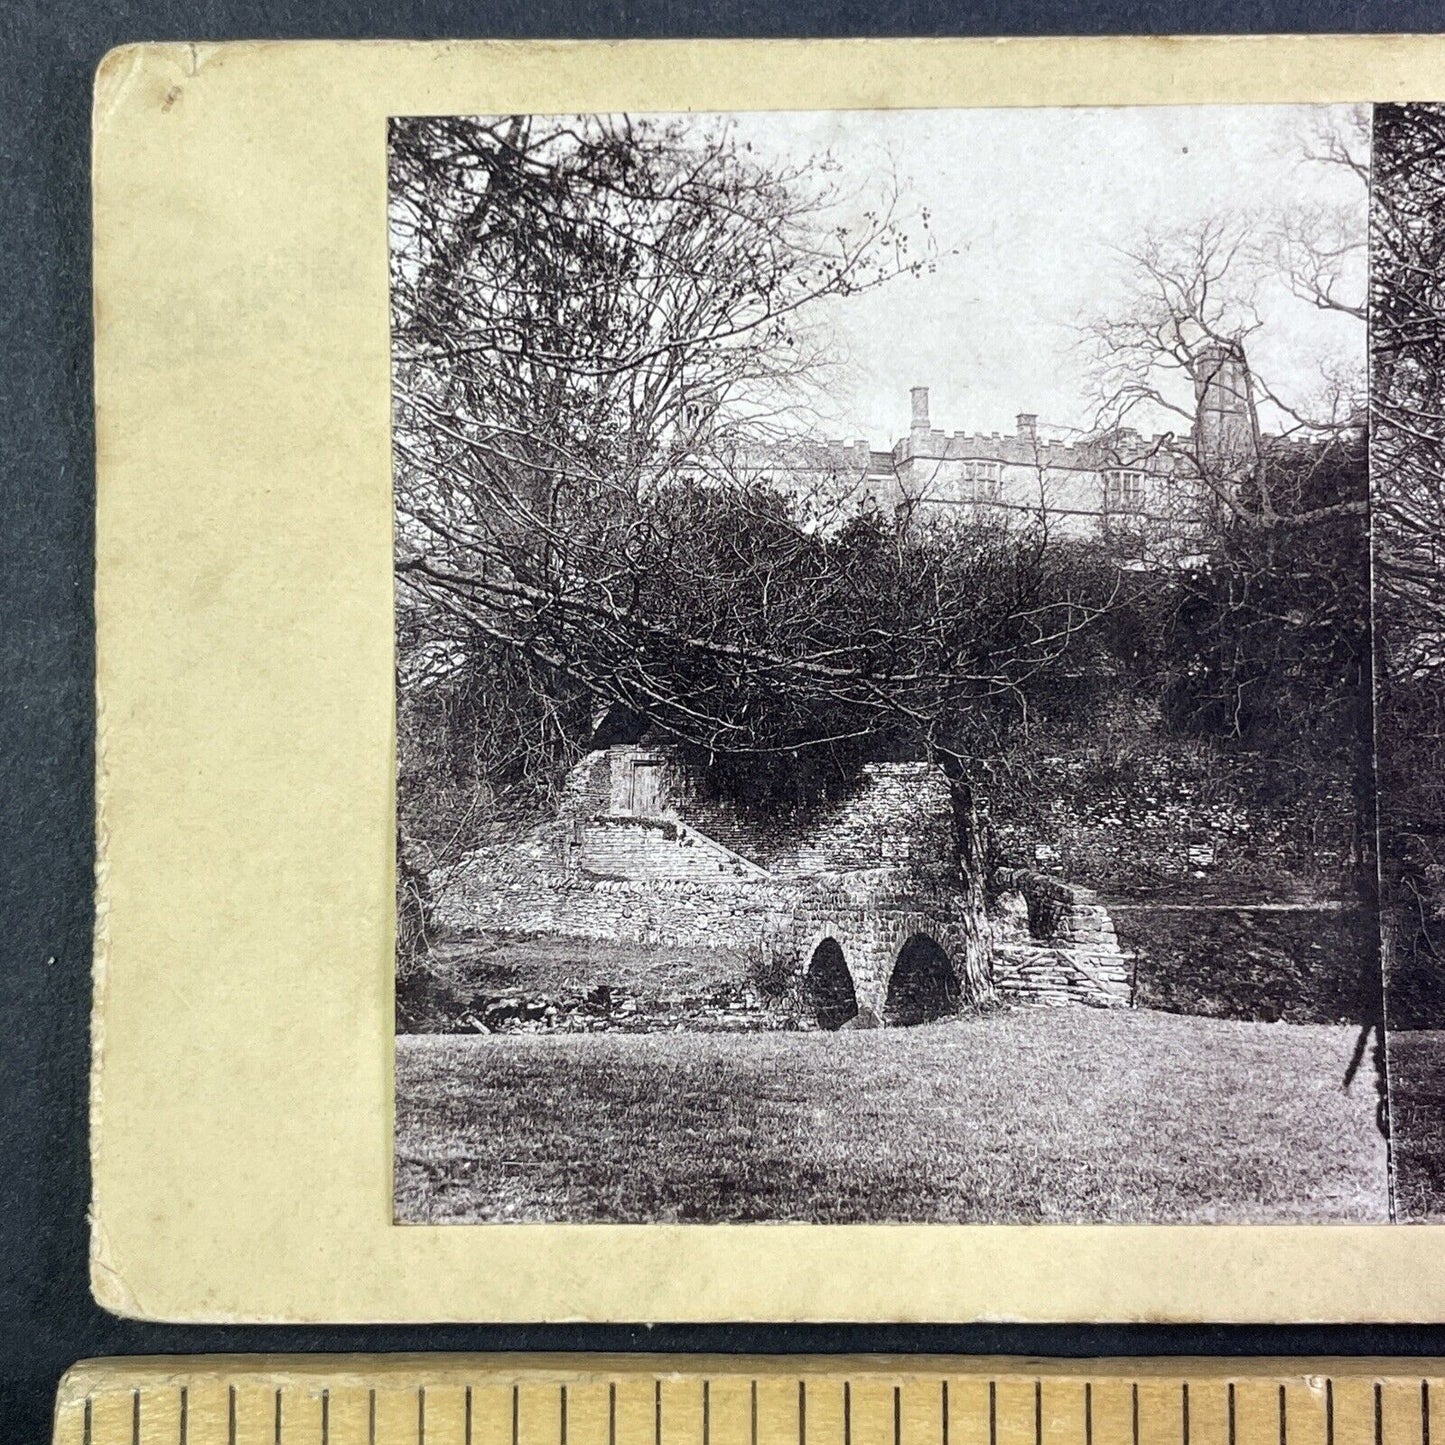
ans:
(1226, 438)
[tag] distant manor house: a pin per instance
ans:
(1116, 484)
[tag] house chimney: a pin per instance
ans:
(1028, 425)
(919, 398)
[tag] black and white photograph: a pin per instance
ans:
(1407, 396)
(886, 696)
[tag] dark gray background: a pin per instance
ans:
(48, 52)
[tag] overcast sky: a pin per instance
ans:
(1038, 202)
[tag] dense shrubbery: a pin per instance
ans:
(1226, 731)
(1127, 719)
(1171, 815)
(779, 657)
(1300, 966)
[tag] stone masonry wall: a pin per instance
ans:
(872, 935)
(528, 888)
(870, 871)
(522, 890)
(1055, 944)
(650, 848)
(899, 817)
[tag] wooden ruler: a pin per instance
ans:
(723, 1400)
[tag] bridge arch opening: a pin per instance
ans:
(923, 987)
(828, 986)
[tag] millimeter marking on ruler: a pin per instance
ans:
(642, 1400)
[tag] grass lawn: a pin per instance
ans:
(1417, 1122)
(1034, 1114)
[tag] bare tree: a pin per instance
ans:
(1319, 249)
(1270, 646)
(577, 303)
(595, 321)
(584, 311)
(1408, 460)
(1408, 371)
(1190, 308)
(1193, 301)
(580, 305)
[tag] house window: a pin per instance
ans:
(982, 480)
(697, 417)
(1124, 489)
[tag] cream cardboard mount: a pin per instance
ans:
(244, 1057)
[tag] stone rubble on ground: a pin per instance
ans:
(610, 1010)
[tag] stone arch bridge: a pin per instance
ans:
(864, 905)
